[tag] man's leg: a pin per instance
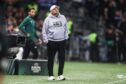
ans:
(51, 49)
(61, 56)
(34, 50)
(26, 50)
(124, 53)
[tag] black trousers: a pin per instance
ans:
(111, 54)
(122, 51)
(52, 48)
(94, 53)
(30, 46)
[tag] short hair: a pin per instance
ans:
(29, 9)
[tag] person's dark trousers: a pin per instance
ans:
(52, 48)
(124, 53)
(111, 54)
(120, 52)
(30, 46)
(94, 53)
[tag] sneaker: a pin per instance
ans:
(61, 77)
(51, 78)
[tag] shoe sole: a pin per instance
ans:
(51, 80)
(62, 79)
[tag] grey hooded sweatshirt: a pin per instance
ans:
(55, 28)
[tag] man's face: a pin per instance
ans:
(55, 11)
(32, 12)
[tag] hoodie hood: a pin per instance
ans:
(52, 16)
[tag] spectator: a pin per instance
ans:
(94, 52)
(111, 45)
(122, 40)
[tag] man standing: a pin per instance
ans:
(28, 28)
(55, 33)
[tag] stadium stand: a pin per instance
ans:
(86, 15)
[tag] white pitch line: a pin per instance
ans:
(113, 82)
(28, 81)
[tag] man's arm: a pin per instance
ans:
(66, 29)
(44, 31)
(23, 24)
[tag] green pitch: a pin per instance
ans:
(79, 73)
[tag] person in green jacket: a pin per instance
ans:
(28, 27)
(94, 49)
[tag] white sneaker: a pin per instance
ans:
(51, 78)
(61, 77)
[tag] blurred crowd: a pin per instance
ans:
(109, 18)
(113, 12)
(110, 13)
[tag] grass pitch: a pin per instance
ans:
(79, 73)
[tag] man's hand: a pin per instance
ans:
(45, 42)
(28, 35)
(38, 42)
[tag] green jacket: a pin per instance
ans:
(70, 26)
(93, 37)
(27, 26)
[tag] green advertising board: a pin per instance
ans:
(27, 67)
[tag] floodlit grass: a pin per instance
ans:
(79, 73)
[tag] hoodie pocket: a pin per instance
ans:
(59, 34)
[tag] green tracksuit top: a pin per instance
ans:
(27, 26)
